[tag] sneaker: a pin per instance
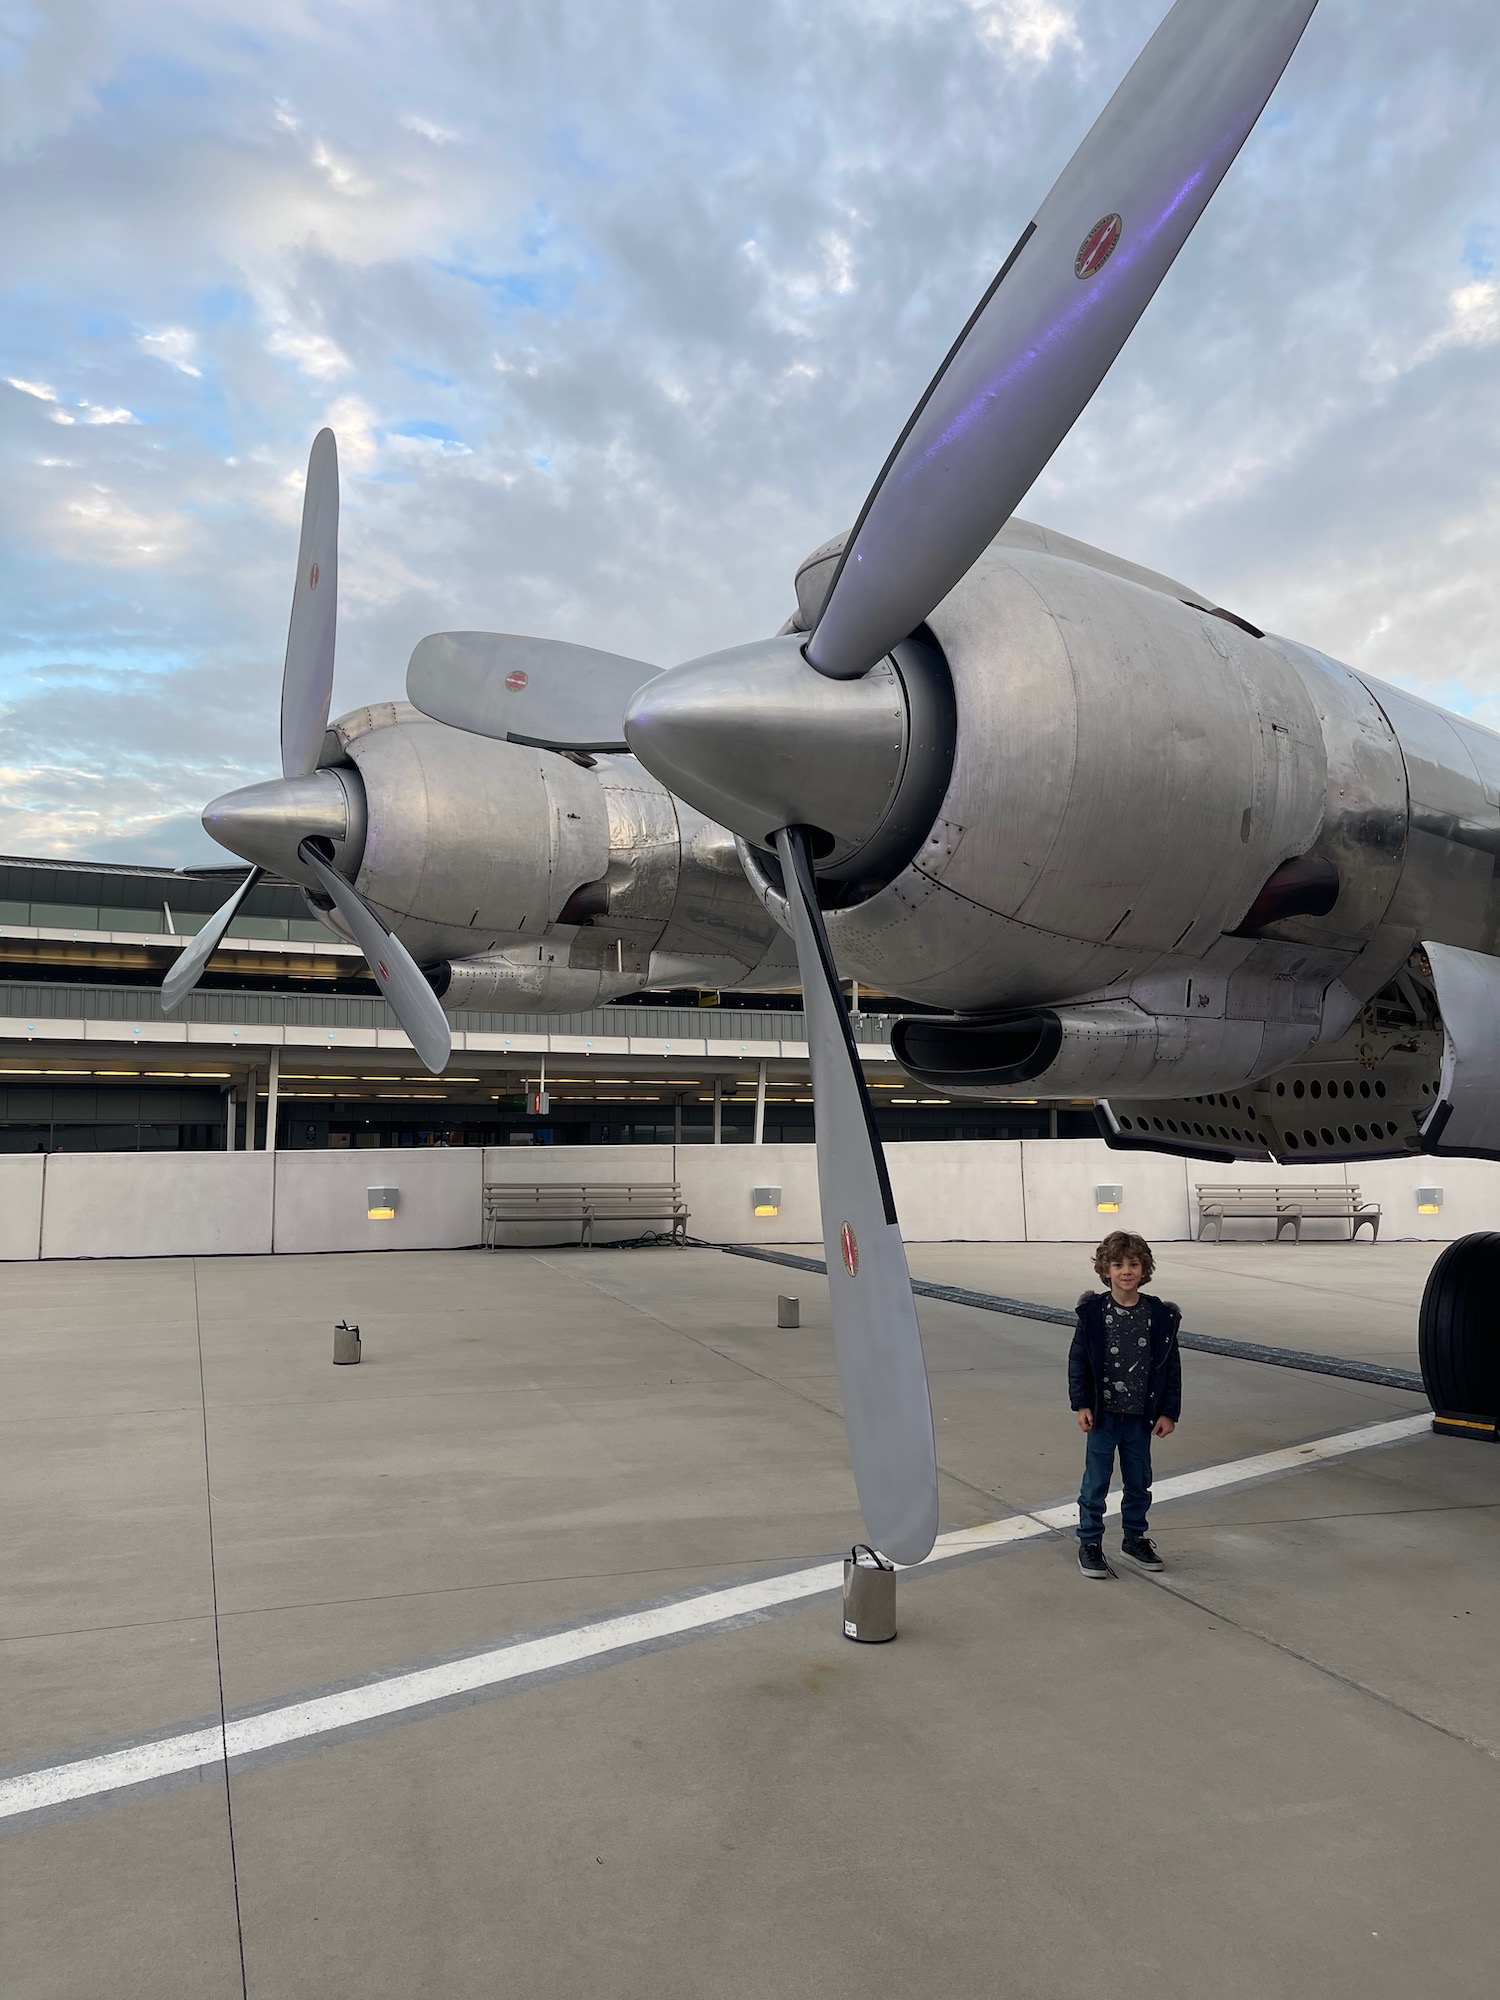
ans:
(1142, 1552)
(1091, 1560)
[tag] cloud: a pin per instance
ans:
(314, 353)
(614, 329)
(1033, 29)
(428, 128)
(176, 346)
(1473, 318)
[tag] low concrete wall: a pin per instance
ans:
(244, 1204)
(718, 1183)
(157, 1205)
(321, 1200)
(1061, 1175)
(20, 1206)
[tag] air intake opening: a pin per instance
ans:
(988, 1051)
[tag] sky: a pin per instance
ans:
(616, 310)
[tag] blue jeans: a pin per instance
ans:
(1131, 1437)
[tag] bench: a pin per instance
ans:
(583, 1203)
(1286, 1206)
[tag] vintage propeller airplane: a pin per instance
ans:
(1137, 848)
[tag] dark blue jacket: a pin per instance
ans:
(1086, 1357)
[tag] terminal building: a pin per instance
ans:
(287, 1044)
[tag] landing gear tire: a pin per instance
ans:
(1459, 1338)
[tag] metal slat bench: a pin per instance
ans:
(584, 1203)
(1288, 1206)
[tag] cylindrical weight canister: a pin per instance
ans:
(345, 1344)
(788, 1311)
(869, 1596)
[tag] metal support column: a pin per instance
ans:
(718, 1111)
(272, 1088)
(231, 1116)
(760, 1105)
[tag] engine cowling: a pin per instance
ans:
(470, 844)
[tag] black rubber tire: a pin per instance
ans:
(1459, 1328)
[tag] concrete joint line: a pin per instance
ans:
(247, 1739)
(1372, 1372)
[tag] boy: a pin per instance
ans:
(1125, 1382)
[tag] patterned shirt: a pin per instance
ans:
(1127, 1357)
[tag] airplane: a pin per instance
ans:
(1129, 845)
(515, 878)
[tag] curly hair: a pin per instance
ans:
(1123, 1243)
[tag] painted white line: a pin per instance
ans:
(1234, 1471)
(296, 1721)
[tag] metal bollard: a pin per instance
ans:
(788, 1312)
(869, 1596)
(345, 1344)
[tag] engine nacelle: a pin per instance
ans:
(529, 980)
(1129, 770)
(470, 843)
(1091, 1051)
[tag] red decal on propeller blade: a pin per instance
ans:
(1095, 249)
(849, 1245)
(385, 971)
(515, 680)
(312, 577)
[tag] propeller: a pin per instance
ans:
(307, 677)
(544, 692)
(758, 739)
(397, 974)
(187, 969)
(1044, 335)
(272, 823)
(882, 1374)
(745, 737)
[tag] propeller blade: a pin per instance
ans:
(411, 999)
(882, 1374)
(544, 692)
(187, 968)
(307, 678)
(1045, 333)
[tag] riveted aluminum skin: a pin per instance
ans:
(1448, 889)
(472, 843)
(715, 911)
(530, 980)
(1128, 772)
(1111, 1047)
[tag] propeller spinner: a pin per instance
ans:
(297, 824)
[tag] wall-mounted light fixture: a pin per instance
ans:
(1107, 1200)
(1429, 1201)
(380, 1203)
(767, 1201)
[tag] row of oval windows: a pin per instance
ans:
(1376, 1130)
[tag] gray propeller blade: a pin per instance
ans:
(882, 1373)
(545, 692)
(1043, 336)
(187, 967)
(412, 1000)
(307, 678)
